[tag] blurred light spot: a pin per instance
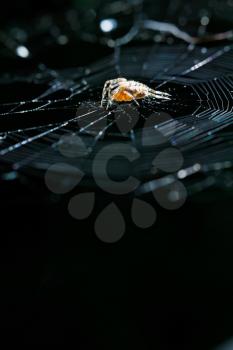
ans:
(174, 196)
(204, 50)
(62, 40)
(205, 20)
(111, 43)
(182, 174)
(22, 51)
(197, 167)
(107, 25)
(157, 38)
(227, 164)
(10, 176)
(19, 34)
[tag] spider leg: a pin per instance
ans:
(118, 80)
(108, 87)
(104, 94)
(104, 101)
(162, 93)
(159, 94)
(134, 100)
(109, 95)
(109, 103)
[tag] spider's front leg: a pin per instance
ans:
(110, 85)
(105, 93)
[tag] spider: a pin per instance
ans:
(123, 90)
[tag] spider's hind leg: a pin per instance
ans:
(136, 102)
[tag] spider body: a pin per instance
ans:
(123, 90)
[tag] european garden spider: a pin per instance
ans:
(123, 90)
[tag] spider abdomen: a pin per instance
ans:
(125, 96)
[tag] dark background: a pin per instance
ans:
(170, 287)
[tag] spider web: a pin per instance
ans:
(37, 110)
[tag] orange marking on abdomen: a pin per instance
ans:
(122, 96)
